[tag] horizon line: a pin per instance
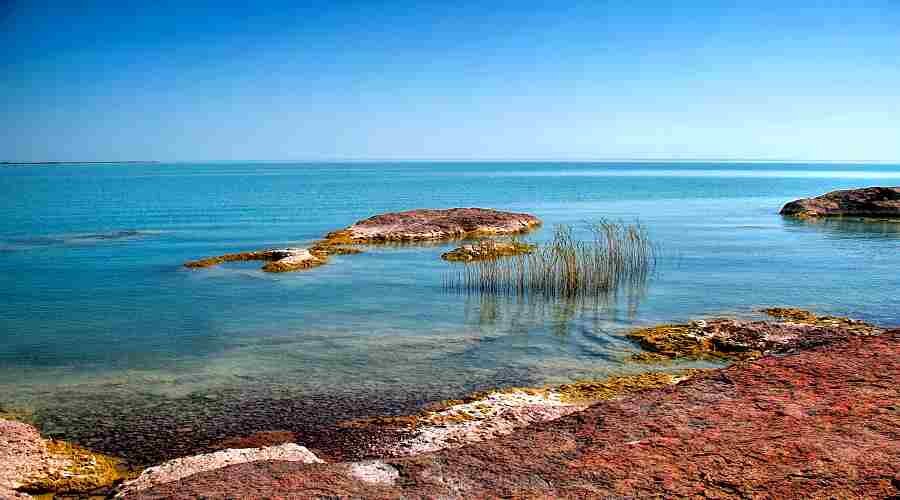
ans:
(467, 160)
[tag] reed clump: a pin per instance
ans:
(616, 255)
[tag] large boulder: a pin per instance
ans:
(426, 224)
(864, 202)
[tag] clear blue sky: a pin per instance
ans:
(449, 80)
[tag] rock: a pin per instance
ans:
(724, 338)
(486, 250)
(865, 202)
(491, 414)
(374, 471)
(279, 260)
(177, 469)
(426, 224)
(820, 423)
(413, 225)
(32, 464)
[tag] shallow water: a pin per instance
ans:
(97, 311)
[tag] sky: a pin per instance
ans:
(449, 80)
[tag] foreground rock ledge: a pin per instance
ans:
(866, 202)
(430, 225)
(32, 464)
(818, 423)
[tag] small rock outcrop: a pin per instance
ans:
(865, 202)
(430, 225)
(397, 227)
(278, 260)
(31, 464)
(487, 250)
(726, 338)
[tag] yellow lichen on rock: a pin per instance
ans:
(590, 391)
(77, 470)
(791, 314)
(725, 338)
(676, 341)
(31, 464)
(487, 250)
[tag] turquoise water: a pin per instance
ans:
(97, 310)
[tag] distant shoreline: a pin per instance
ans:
(73, 162)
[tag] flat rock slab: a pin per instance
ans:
(179, 468)
(866, 202)
(819, 423)
(278, 260)
(725, 338)
(426, 224)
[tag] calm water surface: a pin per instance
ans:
(96, 310)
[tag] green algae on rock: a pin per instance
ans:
(724, 338)
(486, 250)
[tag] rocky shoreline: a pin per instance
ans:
(436, 451)
(821, 421)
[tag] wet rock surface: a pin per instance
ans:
(427, 224)
(820, 422)
(486, 250)
(278, 260)
(864, 202)
(31, 464)
(396, 227)
(725, 338)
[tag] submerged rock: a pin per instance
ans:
(487, 250)
(724, 338)
(426, 224)
(173, 470)
(32, 464)
(279, 260)
(864, 202)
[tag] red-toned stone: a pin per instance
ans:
(427, 224)
(823, 422)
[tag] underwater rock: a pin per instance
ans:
(279, 260)
(179, 468)
(426, 224)
(486, 250)
(32, 464)
(819, 423)
(724, 338)
(864, 202)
